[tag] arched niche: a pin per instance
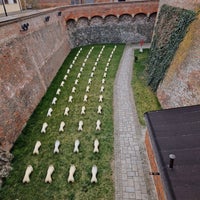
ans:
(110, 19)
(71, 24)
(82, 22)
(152, 17)
(125, 18)
(140, 17)
(96, 21)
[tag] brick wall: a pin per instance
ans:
(53, 3)
(29, 61)
(154, 168)
(117, 9)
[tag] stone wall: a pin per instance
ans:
(180, 86)
(29, 61)
(125, 29)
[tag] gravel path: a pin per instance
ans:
(132, 179)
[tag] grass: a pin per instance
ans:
(145, 98)
(13, 188)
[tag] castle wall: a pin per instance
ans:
(180, 86)
(29, 61)
(125, 29)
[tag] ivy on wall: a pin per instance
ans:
(169, 32)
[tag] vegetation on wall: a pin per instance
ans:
(169, 32)
(145, 99)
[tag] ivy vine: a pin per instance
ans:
(170, 30)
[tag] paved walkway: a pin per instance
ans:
(132, 179)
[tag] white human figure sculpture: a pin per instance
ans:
(56, 146)
(96, 146)
(92, 74)
(107, 64)
(102, 89)
(65, 77)
(36, 148)
(76, 82)
(70, 99)
(98, 124)
(85, 98)
(50, 171)
(71, 174)
(79, 75)
(58, 91)
(81, 69)
(94, 174)
(95, 63)
(103, 81)
(100, 98)
(106, 69)
(68, 71)
(83, 65)
(99, 110)
(66, 111)
(62, 83)
(104, 75)
(73, 90)
(73, 61)
(111, 55)
(28, 172)
(89, 81)
(49, 112)
(87, 88)
(93, 69)
(76, 145)
(62, 125)
(85, 60)
(71, 66)
(54, 100)
(83, 110)
(109, 59)
(80, 126)
(97, 59)
(44, 127)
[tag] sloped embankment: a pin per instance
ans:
(170, 30)
(180, 86)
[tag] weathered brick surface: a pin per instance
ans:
(116, 9)
(53, 3)
(187, 4)
(154, 168)
(29, 61)
(180, 86)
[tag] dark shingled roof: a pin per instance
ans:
(177, 131)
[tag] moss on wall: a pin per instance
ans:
(169, 32)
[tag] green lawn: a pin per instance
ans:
(145, 98)
(13, 187)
